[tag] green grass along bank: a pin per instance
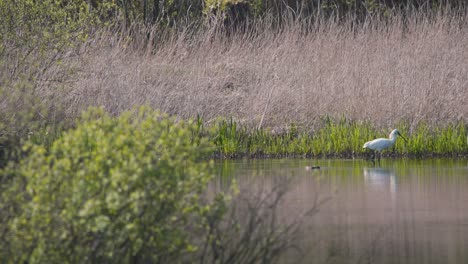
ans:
(330, 137)
(338, 138)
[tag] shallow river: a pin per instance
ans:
(401, 211)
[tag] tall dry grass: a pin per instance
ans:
(413, 69)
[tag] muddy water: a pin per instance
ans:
(398, 211)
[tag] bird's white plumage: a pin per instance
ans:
(383, 143)
(379, 144)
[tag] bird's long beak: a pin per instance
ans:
(403, 137)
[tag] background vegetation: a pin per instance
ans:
(258, 77)
(277, 65)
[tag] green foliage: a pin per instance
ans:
(356, 7)
(220, 5)
(424, 141)
(123, 189)
(341, 137)
(228, 137)
(47, 24)
(34, 34)
(344, 137)
(167, 13)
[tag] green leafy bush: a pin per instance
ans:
(126, 189)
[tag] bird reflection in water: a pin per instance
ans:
(381, 179)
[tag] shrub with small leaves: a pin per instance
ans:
(126, 189)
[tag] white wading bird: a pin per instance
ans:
(383, 143)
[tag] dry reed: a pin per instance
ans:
(413, 69)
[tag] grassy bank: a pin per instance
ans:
(341, 138)
(328, 138)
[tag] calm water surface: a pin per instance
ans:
(401, 211)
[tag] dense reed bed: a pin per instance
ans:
(413, 69)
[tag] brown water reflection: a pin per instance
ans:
(403, 211)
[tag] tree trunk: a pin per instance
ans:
(155, 14)
(145, 12)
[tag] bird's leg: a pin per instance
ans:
(370, 156)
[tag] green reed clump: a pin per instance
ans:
(342, 137)
(453, 139)
(425, 141)
(229, 138)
